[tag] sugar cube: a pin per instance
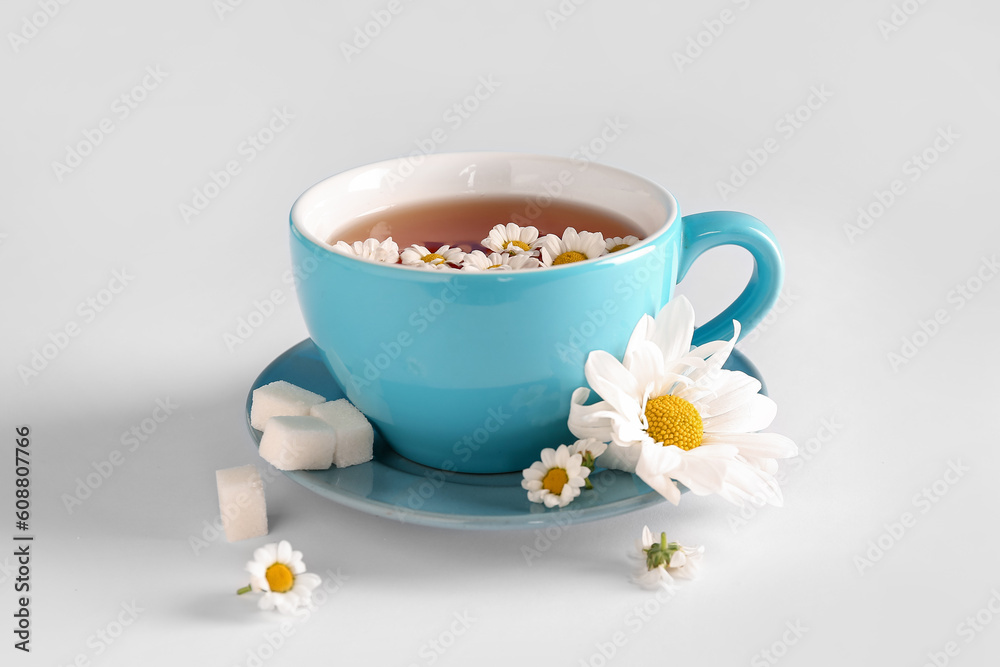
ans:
(354, 434)
(241, 502)
(298, 443)
(280, 399)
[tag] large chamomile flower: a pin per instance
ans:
(660, 561)
(572, 247)
(278, 572)
(512, 239)
(419, 256)
(556, 479)
(477, 260)
(672, 414)
(373, 250)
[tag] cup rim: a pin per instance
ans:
(667, 199)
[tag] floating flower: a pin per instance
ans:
(512, 239)
(556, 479)
(589, 449)
(572, 247)
(660, 562)
(418, 255)
(280, 574)
(672, 414)
(477, 260)
(616, 243)
(373, 250)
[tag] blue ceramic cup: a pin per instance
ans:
(473, 371)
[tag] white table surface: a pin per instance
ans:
(876, 433)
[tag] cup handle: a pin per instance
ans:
(715, 228)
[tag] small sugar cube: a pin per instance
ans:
(280, 399)
(298, 443)
(354, 434)
(241, 502)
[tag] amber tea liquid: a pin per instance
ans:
(464, 222)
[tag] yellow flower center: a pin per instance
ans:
(569, 257)
(620, 246)
(494, 266)
(432, 257)
(555, 479)
(520, 244)
(279, 578)
(674, 421)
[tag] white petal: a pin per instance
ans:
(756, 445)
(616, 457)
(308, 581)
(754, 415)
(613, 383)
(674, 327)
(284, 552)
(548, 456)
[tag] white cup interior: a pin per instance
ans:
(339, 200)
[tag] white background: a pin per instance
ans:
(875, 432)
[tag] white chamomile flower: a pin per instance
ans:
(589, 449)
(418, 255)
(280, 574)
(661, 561)
(556, 479)
(616, 243)
(512, 239)
(572, 247)
(477, 260)
(672, 414)
(372, 249)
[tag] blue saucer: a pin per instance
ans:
(393, 487)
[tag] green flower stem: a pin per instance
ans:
(588, 462)
(245, 589)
